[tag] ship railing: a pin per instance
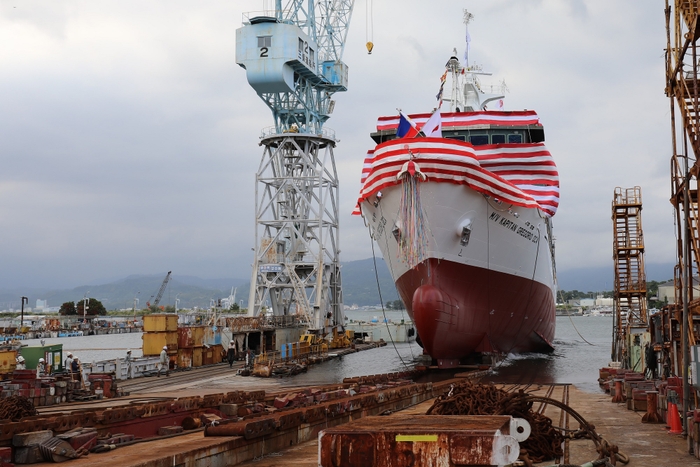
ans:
(294, 351)
(120, 368)
(252, 323)
(268, 132)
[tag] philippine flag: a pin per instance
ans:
(406, 129)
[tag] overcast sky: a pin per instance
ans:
(129, 135)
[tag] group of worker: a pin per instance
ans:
(71, 366)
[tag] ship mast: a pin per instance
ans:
(467, 93)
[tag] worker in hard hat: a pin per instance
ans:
(231, 353)
(40, 368)
(127, 361)
(68, 365)
(164, 362)
(21, 365)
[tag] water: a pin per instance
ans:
(573, 360)
(96, 348)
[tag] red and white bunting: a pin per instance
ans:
(519, 174)
(466, 119)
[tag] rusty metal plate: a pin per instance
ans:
(419, 440)
(338, 450)
(290, 420)
(247, 429)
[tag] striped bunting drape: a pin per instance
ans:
(520, 174)
(464, 119)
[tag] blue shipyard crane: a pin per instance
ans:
(293, 60)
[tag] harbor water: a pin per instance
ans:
(573, 361)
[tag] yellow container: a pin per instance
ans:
(160, 322)
(198, 335)
(184, 358)
(7, 361)
(197, 356)
(153, 342)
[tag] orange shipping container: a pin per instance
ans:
(198, 334)
(160, 322)
(153, 342)
(211, 355)
(185, 338)
(197, 357)
(7, 361)
(184, 358)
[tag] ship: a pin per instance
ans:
(460, 202)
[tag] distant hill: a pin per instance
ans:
(602, 278)
(360, 283)
(359, 287)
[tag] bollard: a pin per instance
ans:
(618, 397)
(652, 415)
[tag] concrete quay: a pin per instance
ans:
(646, 445)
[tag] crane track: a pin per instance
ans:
(178, 377)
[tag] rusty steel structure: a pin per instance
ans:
(258, 417)
(682, 89)
(421, 440)
(630, 290)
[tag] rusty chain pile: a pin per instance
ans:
(545, 440)
(468, 398)
(15, 408)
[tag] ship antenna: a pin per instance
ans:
(468, 17)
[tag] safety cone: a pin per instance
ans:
(674, 419)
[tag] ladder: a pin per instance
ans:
(628, 254)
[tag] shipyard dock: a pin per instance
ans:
(270, 430)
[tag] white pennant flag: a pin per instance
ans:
(433, 127)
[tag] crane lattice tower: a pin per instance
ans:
(293, 60)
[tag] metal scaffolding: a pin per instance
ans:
(682, 33)
(297, 268)
(292, 55)
(630, 278)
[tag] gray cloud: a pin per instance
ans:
(130, 136)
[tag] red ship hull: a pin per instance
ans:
(460, 309)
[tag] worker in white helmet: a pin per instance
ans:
(164, 362)
(127, 362)
(20, 363)
(40, 368)
(68, 366)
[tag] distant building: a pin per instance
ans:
(41, 304)
(667, 291)
(581, 302)
(602, 301)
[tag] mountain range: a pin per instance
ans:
(360, 287)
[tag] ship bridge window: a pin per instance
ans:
(536, 135)
(457, 137)
(515, 138)
(264, 41)
(498, 139)
(479, 140)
